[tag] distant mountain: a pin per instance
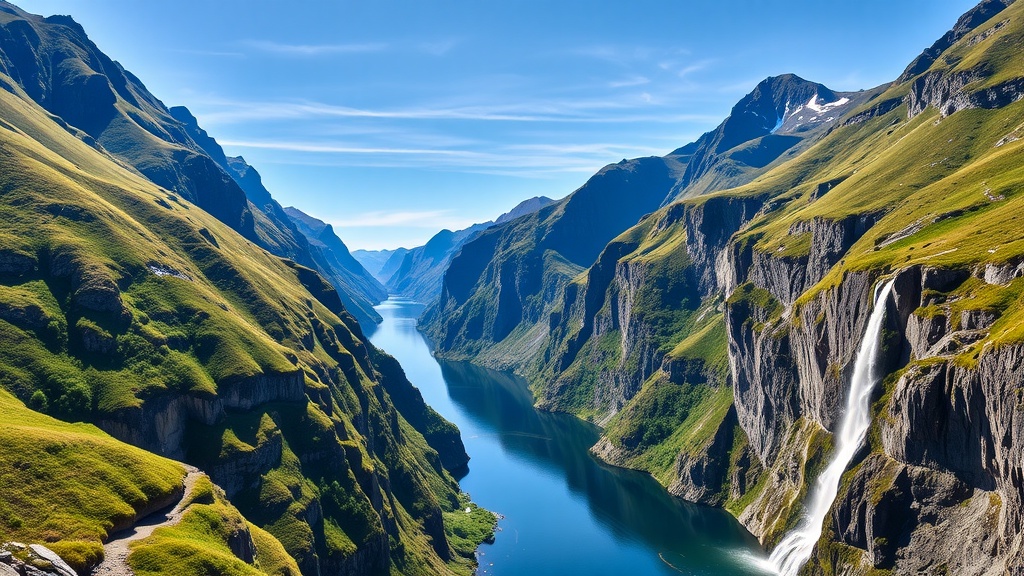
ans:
(375, 260)
(528, 206)
(776, 121)
(346, 270)
(498, 292)
(419, 273)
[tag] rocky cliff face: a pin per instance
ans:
(715, 339)
(940, 465)
(498, 293)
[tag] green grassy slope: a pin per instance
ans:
(209, 539)
(926, 172)
(57, 66)
(71, 485)
(122, 303)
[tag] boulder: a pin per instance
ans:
(59, 565)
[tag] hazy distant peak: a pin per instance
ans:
(527, 206)
(315, 225)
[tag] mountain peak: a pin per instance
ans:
(767, 107)
(970, 20)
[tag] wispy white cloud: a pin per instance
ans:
(520, 160)
(629, 82)
(593, 148)
(431, 219)
(694, 67)
(615, 54)
(314, 49)
(588, 111)
(213, 53)
(338, 149)
(629, 54)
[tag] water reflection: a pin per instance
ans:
(565, 512)
(630, 504)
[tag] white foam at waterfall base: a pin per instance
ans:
(796, 547)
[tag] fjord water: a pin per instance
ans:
(794, 550)
(564, 512)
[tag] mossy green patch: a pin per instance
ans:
(202, 543)
(468, 526)
(69, 486)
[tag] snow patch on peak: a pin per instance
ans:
(824, 107)
(781, 120)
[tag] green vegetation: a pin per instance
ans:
(70, 486)
(757, 306)
(201, 543)
(665, 420)
(466, 527)
(127, 306)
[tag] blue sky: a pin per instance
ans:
(394, 119)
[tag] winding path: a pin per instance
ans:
(115, 552)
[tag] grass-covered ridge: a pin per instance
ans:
(208, 539)
(126, 305)
(70, 486)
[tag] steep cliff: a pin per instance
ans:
(125, 304)
(498, 293)
(715, 339)
(359, 290)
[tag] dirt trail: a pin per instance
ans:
(115, 561)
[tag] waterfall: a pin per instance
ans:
(796, 547)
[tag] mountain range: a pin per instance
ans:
(174, 338)
(416, 273)
(158, 307)
(705, 307)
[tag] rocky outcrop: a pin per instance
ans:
(701, 476)
(949, 93)
(16, 262)
(242, 470)
(1004, 273)
(29, 316)
(159, 423)
(92, 285)
(786, 277)
(710, 225)
(95, 340)
(57, 564)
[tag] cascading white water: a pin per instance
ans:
(797, 546)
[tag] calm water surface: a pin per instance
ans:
(564, 512)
